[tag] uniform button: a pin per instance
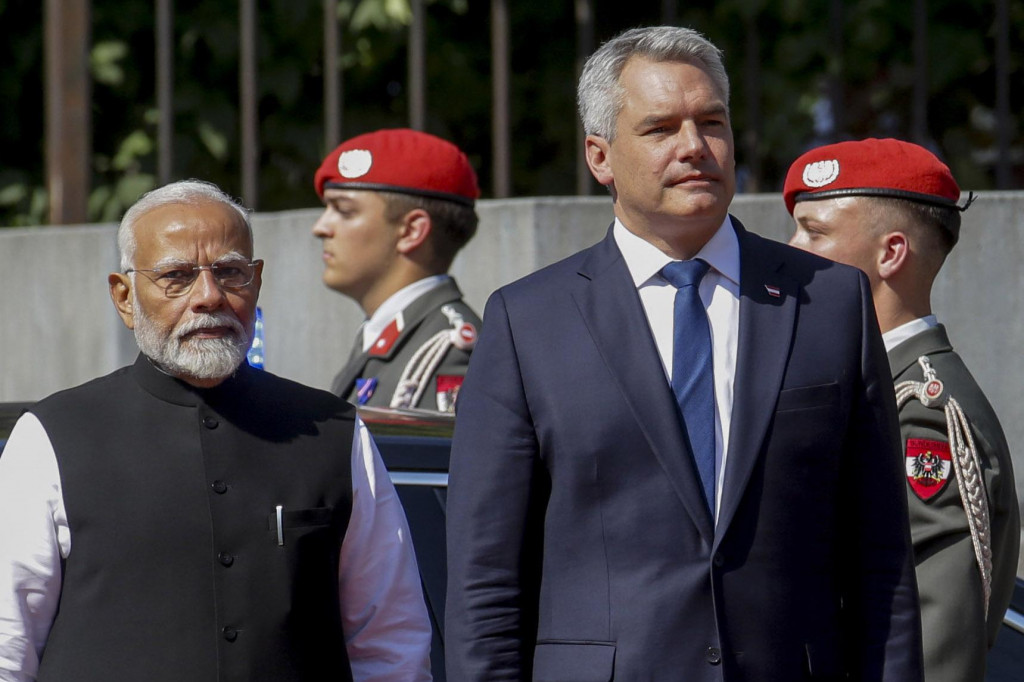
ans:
(714, 655)
(219, 487)
(230, 633)
(226, 559)
(718, 560)
(210, 422)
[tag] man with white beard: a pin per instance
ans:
(189, 517)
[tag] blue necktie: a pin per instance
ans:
(692, 372)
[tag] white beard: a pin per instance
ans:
(199, 358)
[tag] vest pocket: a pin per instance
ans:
(573, 661)
(300, 518)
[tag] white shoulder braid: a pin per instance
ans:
(931, 393)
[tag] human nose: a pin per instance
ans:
(206, 293)
(321, 227)
(689, 142)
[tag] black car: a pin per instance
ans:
(415, 447)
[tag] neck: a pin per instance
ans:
(895, 309)
(678, 238)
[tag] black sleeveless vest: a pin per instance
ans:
(176, 572)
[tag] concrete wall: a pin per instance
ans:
(58, 327)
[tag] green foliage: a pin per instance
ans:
(781, 55)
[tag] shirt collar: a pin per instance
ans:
(395, 304)
(645, 260)
(895, 337)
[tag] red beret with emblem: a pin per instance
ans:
(400, 160)
(872, 167)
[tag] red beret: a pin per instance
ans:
(400, 160)
(881, 168)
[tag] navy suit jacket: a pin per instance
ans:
(580, 548)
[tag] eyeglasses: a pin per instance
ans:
(177, 279)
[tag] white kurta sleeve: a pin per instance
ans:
(387, 629)
(34, 536)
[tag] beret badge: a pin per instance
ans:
(821, 173)
(355, 163)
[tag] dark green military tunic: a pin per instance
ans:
(390, 354)
(956, 634)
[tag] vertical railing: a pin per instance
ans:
(165, 90)
(68, 103)
(500, 71)
(417, 67)
(332, 76)
(584, 11)
(249, 103)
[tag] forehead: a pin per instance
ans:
(651, 82)
(839, 213)
(198, 232)
(355, 196)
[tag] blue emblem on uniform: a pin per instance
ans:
(365, 389)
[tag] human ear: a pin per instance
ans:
(414, 231)
(121, 294)
(894, 254)
(598, 157)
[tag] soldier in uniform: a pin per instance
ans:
(399, 204)
(890, 208)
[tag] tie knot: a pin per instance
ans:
(684, 273)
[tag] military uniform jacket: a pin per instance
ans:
(956, 634)
(177, 570)
(391, 353)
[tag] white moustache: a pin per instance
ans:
(202, 321)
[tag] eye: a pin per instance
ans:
(175, 275)
(229, 270)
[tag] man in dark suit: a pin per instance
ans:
(642, 491)
(890, 208)
(398, 207)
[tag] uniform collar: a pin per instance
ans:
(391, 308)
(895, 337)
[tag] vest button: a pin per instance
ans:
(713, 655)
(718, 560)
(230, 633)
(219, 487)
(226, 559)
(210, 422)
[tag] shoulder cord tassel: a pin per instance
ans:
(966, 464)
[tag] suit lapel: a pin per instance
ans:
(768, 304)
(614, 315)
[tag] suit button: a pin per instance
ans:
(230, 633)
(210, 422)
(219, 487)
(713, 655)
(718, 560)
(226, 559)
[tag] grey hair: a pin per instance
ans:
(181, 192)
(599, 95)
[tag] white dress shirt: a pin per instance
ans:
(386, 626)
(395, 304)
(895, 337)
(720, 293)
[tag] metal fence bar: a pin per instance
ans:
(584, 46)
(332, 76)
(68, 103)
(500, 70)
(165, 89)
(417, 67)
(248, 104)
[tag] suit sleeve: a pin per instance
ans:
(880, 591)
(497, 491)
